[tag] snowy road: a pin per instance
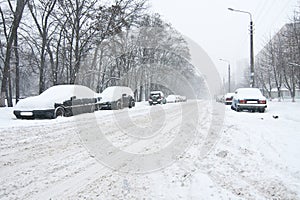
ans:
(174, 151)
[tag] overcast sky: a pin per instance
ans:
(223, 33)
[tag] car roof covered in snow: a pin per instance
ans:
(157, 92)
(248, 93)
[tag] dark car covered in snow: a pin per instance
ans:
(115, 98)
(60, 100)
(157, 97)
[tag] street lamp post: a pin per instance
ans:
(227, 61)
(252, 83)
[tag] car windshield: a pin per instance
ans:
(155, 95)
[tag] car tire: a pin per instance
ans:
(93, 108)
(116, 105)
(119, 106)
(59, 112)
(262, 110)
(131, 104)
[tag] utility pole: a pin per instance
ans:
(252, 78)
(252, 83)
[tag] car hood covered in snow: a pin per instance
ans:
(55, 94)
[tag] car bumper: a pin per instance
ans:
(34, 114)
(228, 102)
(251, 106)
(104, 106)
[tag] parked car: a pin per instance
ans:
(220, 98)
(172, 98)
(60, 100)
(250, 99)
(157, 97)
(228, 98)
(116, 97)
(183, 99)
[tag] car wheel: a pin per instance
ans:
(116, 105)
(131, 104)
(119, 106)
(59, 112)
(93, 108)
(262, 110)
(238, 110)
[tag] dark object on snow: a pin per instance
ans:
(222, 154)
(275, 116)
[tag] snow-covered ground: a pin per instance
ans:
(253, 155)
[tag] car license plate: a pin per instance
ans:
(26, 113)
(251, 101)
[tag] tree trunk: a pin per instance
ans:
(42, 70)
(9, 96)
(17, 69)
(16, 22)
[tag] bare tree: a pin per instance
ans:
(10, 32)
(42, 12)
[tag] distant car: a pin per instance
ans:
(157, 97)
(172, 98)
(183, 98)
(220, 98)
(60, 100)
(228, 98)
(250, 99)
(116, 97)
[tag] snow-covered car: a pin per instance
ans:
(116, 97)
(220, 98)
(183, 98)
(59, 100)
(228, 98)
(250, 99)
(157, 97)
(172, 98)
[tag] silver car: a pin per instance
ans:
(250, 99)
